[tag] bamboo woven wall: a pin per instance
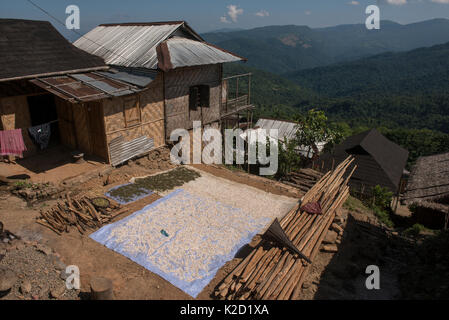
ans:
(66, 122)
(151, 108)
(177, 89)
(14, 114)
(81, 124)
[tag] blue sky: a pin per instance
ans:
(206, 15)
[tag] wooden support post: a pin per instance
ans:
(101, 289)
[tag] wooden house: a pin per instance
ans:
(379, 161)
(189, 82)
(117, 92)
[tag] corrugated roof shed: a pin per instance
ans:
(30, 49)
(429, 179)
(166, 45)
(287, 130)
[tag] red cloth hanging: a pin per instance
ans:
(11, 143)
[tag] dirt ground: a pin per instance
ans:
(131, 281)
(339, 275)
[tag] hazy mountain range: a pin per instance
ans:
(282, 49)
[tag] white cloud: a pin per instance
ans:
(440, 1)
(397, 2)
(353, 3)
(262, 13)
(234, 12)
(308, 13)
(224, 20)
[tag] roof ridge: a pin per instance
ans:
(155, 23)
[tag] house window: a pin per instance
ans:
(199, 97)
(131, 111)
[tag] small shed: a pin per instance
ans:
(30, 50)
(379, 161)
(287, 131)
(45, 80)
(428, 190)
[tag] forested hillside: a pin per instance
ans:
(281, 49)
(404, 94)
(424, 70)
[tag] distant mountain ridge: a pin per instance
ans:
(282, 49)
(422, 70)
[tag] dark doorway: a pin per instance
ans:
(43, 110)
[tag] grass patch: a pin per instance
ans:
(383, 216)
(23, 184)
(416, 229)
(161, 182)
(354, 204)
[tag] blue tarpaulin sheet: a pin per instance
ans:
(182, 237)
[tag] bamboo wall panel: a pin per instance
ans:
(151, 108)
(152, 101)
(177, 90)
(81, 127)
(113, 115)
(66, 126)
(97, 134)
(15, 114)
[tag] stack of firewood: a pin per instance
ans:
(79, 212)
(303, 179)
(272, 271)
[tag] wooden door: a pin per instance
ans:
(97, 135)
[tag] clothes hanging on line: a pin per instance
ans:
(11, 143)
(41, 134)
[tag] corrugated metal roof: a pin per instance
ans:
(127, 45)
(152, 45)
(121, 150)
(286, 129)
(84, 87)
(186, 52)
(135, 79)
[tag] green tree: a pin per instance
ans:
(313, 128)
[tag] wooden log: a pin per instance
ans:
(121, 211)
(236, 272)
(48, 226)
(252, 263)
(272, 264)
(279, 277)
(92, 208)
(266, 283)
(101, 289)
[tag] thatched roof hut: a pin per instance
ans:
(428, 190)
(429, 180)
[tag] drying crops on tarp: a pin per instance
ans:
(79, 212)
(272, 271)
(183, 237)
(142, 187)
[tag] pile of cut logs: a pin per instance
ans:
(272, 271)
(79, 212)
(303, 179)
